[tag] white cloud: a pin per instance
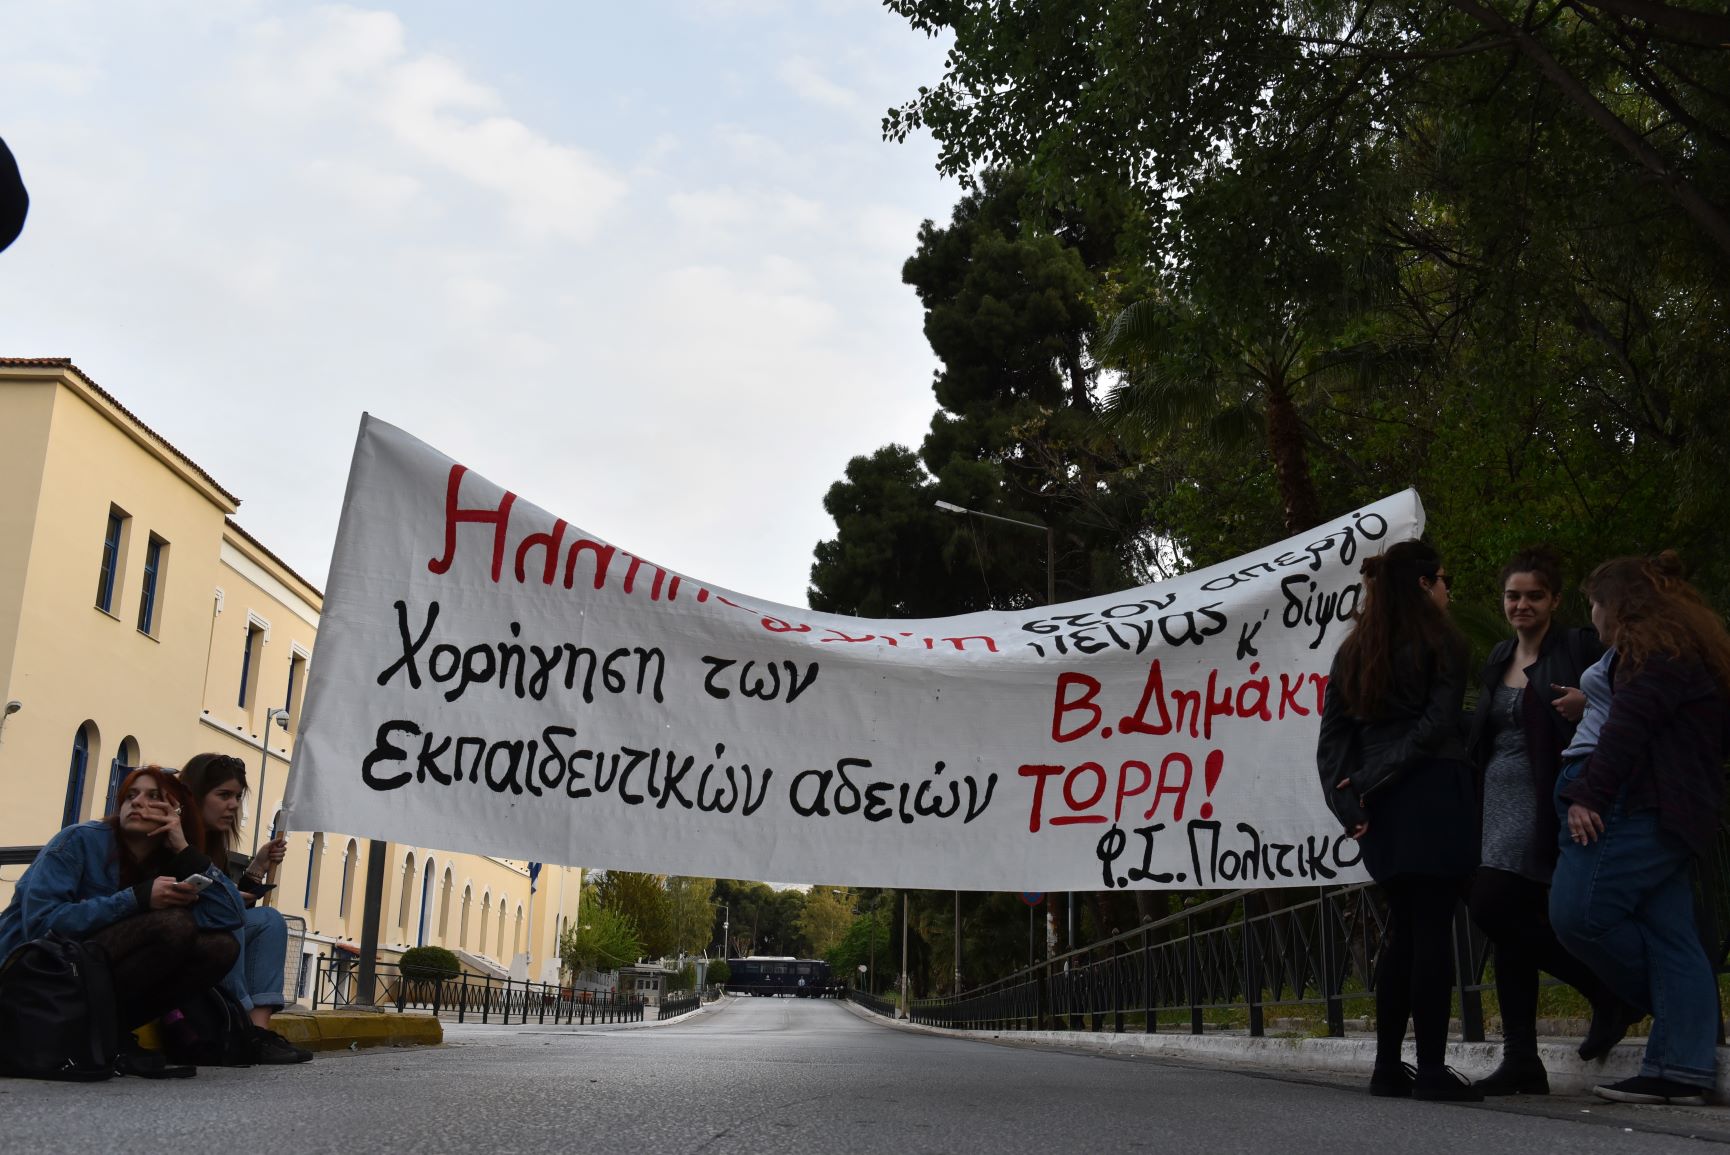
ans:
(802, 75)
(557, 246)
(343, 64)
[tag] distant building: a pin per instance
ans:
(139, 623)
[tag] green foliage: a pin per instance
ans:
(1428, 232)
(1013, 305)
(429, 962)
(683, 979)
(718, 972)
(643, 900)
(603, 940)
(825, 917)
(856, 948)
(688, 914)
(765, 921)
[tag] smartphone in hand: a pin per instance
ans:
(197, 882)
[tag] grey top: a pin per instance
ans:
(1510, 805)
(1595, 684)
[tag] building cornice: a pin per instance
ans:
(61, 371)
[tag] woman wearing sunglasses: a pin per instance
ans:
(1393, 767)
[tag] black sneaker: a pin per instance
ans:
(1652, 1089)
(1445, 1085)
(271, 1049)
(134, 1060)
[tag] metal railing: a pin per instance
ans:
(1232, 957)
(871, 1002)
(466, 995)
(680, 1004)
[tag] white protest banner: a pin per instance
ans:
(492, 679)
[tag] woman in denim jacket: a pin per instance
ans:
(116, 883)
(1639, 798)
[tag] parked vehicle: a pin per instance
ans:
(778, 975)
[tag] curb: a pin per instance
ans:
(347, 1029)
(1569, 1074)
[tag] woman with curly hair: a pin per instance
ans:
(1639, 808)
(1393, 768)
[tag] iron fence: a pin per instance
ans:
(468, 995)
(1234, 956)
(681, 1004)
(871, 1002)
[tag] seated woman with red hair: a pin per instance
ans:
(116, 883)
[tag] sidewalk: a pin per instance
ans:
(346, 1029)
(1350, 1057)
(333, 1030)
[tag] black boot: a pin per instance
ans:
(1444, 1085)
(1392, 1081)
(133, 1059)
(1518, 1075)
(1610, 1022)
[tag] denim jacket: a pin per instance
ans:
(74, 888)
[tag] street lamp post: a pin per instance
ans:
(1050, 543)
(280, 717)
(1050, 599)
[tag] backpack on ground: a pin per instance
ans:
(57, 1018)
(213, 1031)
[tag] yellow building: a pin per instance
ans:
(140, 624)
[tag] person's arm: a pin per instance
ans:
(1444, 694)
(1336, 756)
(1640, 707)
(219, 907)
(52, 894)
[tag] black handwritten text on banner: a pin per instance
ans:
(492, 679)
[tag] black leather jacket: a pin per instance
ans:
(1562, 658)
(1418, 719)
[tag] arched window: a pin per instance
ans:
(517, 935)
(463, 925)
(504, 909)
(426, 886)
(445, 908)
(83, 754)
(125, 759)
(486, 914)
(314, 855)
(405, 900)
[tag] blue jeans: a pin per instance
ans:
(1624, 905)
(255, 980)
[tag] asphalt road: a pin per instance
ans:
(767, 1076)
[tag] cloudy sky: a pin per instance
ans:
(638, 262)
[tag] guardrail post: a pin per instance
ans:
(1118, 987)
(1252, 974)
(463, 1005)
(1471, 999)
(1147, 986)
(1331, 979)
(1194, 977)
(1042, 997)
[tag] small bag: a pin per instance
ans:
(57, 1018)
(213, 1031)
